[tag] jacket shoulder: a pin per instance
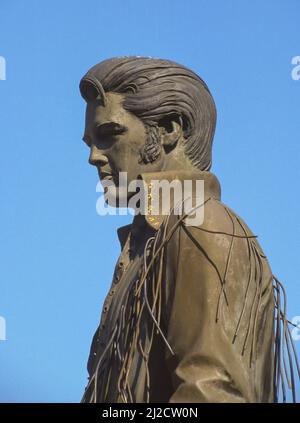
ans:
(218, 217)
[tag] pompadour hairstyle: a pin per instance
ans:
(157, 90)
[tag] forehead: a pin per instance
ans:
(112, 110)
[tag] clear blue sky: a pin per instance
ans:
(57, 254)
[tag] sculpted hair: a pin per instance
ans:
(158, 91)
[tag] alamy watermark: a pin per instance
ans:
(156, 197)
(2, 68)
(296, 69)
(295, 332)
(2, 329)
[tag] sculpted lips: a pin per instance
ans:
(107, 175)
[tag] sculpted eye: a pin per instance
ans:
(109, 129)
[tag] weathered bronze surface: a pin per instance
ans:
(191, 315)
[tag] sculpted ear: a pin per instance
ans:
(170, 133)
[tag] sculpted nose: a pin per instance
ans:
(96, 157)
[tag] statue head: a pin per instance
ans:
(146, 115)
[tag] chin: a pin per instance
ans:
(117, 197)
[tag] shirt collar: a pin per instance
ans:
(212, 189)
(123, 233)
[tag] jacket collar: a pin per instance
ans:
(211, 189)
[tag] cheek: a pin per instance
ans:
(124, 156)
(135, 144)
(129, 147)
(136, 137)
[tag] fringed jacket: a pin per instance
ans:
(193, 313)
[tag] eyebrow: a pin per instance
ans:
(105, 126)
(110, 126)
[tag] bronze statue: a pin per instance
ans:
(194, 313)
